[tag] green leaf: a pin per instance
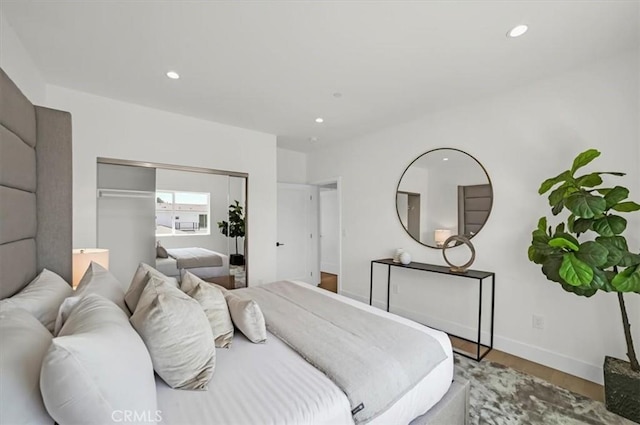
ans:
(563, 243)
(570, 222)
(551, 268)
(629, 259)
(581, 225)
(583, 159)
(557, 195)
(616, 247)
(627, 280)
(603, 191)
(629, 206)
(601, 281)
(542, 224)
(592, 253)
(610, 225)
(559, 228)
(616, 195)
(557, 209)
(549, 183)
(589, 180)
(585, 205)
(568, 237)
(574, 271)
(540, 249)
(583, 291)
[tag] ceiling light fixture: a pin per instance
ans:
(517, 31)
(313, 139)
(319, 120)
(445, 159)
(173, 75)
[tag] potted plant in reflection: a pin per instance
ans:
(234, 228)
(587, 253)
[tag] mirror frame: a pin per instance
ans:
(409, 166)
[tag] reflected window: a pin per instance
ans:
(182, 213)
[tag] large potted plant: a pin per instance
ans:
(583, 264)
(234, 228)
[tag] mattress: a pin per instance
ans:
(169, 267)
(271, 384)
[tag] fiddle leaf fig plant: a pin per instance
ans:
(603, 263)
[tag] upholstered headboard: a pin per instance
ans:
(35, 190)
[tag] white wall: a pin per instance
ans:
(108, 128)
(18, 64)
(292, 166)
(521, 137)
(329, 224)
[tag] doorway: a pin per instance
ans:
(329, 224)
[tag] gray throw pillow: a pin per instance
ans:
(247, 317)
(177, 334)
(139, 281)
(212, 301)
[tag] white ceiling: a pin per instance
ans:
(273, 66)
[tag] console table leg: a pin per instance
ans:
(480, 282)
(371, 285)
(388, 287)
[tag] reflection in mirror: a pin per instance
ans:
(176, 221)
(443, 192)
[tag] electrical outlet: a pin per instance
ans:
(395, 288)
(537, 322)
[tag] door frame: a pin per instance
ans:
(338, 181)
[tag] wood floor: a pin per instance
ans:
(572, 383)
(556, 377)
(329, 282)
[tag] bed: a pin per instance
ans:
(286, 389)
(202, 262)
(269, 383)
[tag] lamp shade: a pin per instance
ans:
(441, 235)
(83, 257)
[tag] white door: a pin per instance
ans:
(329, 231)
(297, 233)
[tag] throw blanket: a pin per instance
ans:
(190, 258)
(374, 360)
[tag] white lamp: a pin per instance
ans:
(83, 257)
(441, 235)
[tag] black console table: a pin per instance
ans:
(480, 276)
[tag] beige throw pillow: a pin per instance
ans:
(98, 280)
(212, 301)
(177, 334)
(247, 317)
(139, 281)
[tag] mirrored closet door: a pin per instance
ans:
(175, 218)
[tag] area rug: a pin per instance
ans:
(501, 395)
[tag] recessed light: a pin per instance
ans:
(337, 94)
(445, 159)
(319, 120)
(313, 139)
(173, 75)
(517, 31)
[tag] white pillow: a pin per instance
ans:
(24, 342)
(139, 281)
(41, 297)
(98, 280)
(177, 334)
(98, 368)
(247, 317)
(212, 301)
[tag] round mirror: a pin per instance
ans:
(443, 192)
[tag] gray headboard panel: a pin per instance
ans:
(35, 190)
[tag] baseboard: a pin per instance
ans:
(535, 354)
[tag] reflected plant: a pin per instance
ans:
(603, 263)
(235, 227)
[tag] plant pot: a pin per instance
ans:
(236, 260)
(621, 389)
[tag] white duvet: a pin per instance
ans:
(271, 384)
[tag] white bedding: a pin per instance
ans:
(271, 384)
(169, 267)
